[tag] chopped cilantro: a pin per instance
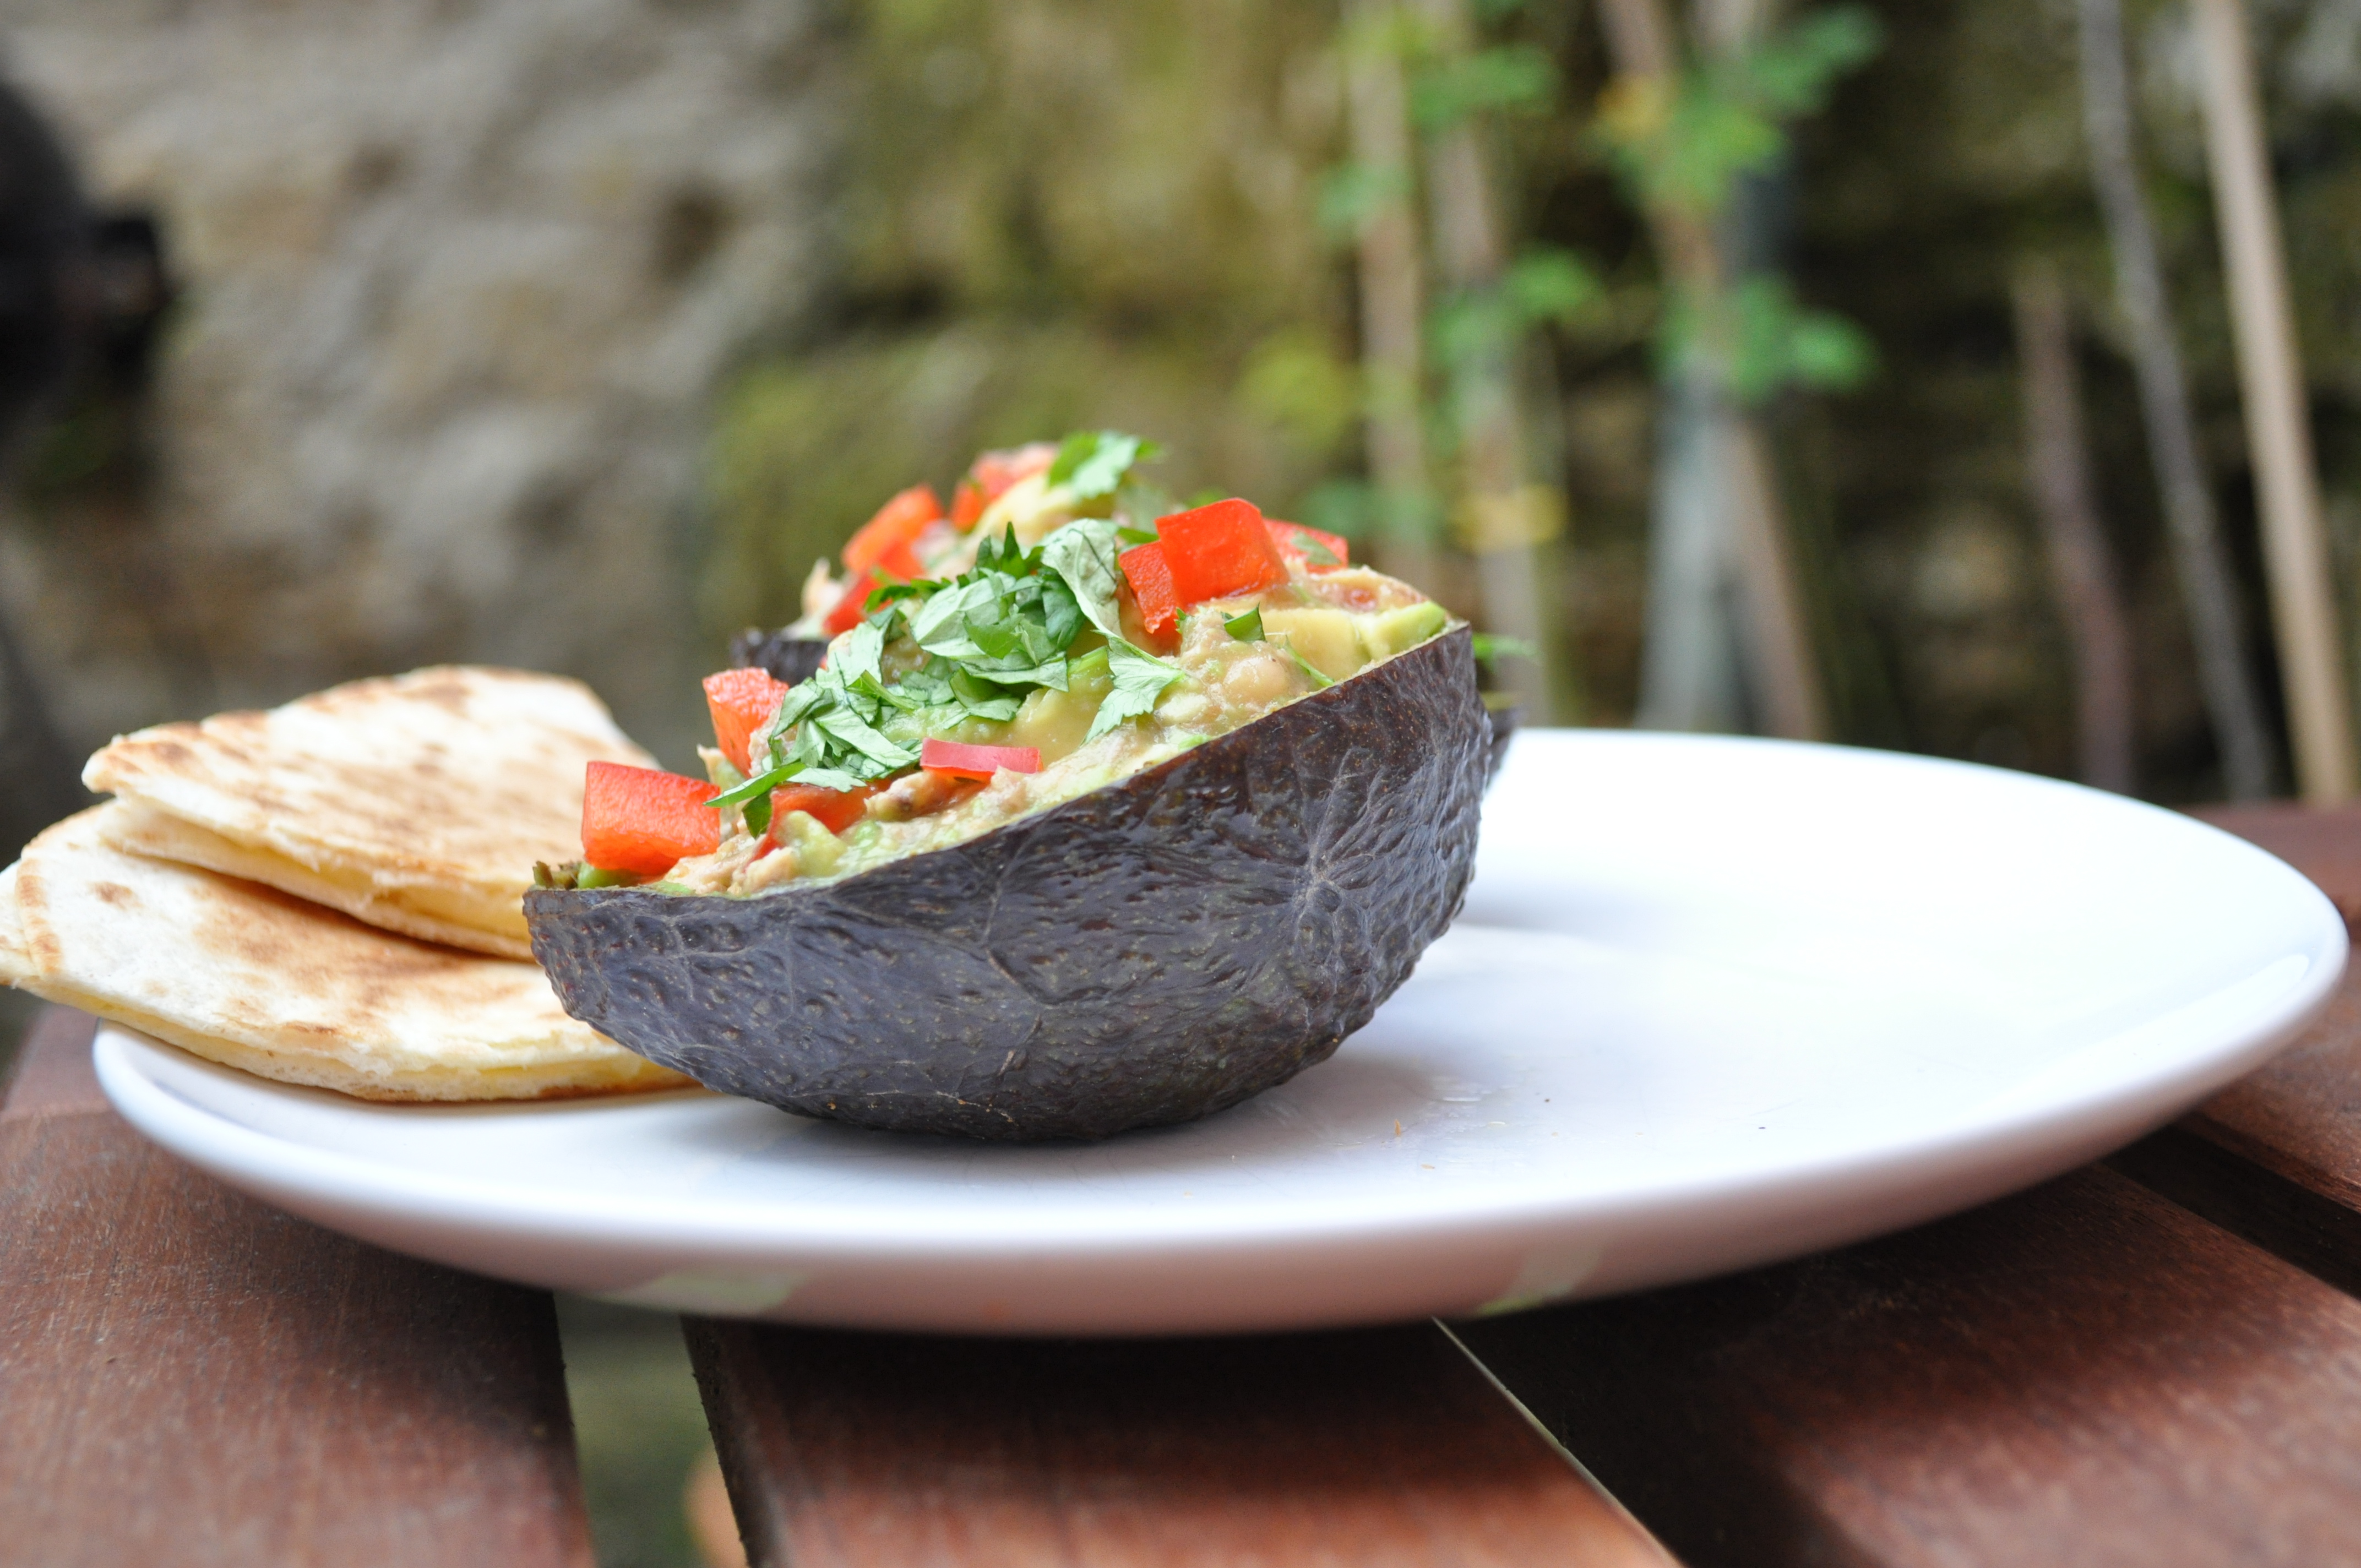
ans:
(1319, 682)
(1138, 535)
(934, 653)
(1092, 463)
(1246, 628)
(1140, 679)
(1083, 553)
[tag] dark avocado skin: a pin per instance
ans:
(1151, 953)
(782, 655)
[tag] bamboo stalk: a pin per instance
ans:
(2081, 566)
(2279, 421)
(1393, 291)
(1496, 481)
(1783, 674)
(2215, 623)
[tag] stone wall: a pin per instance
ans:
(456, 282)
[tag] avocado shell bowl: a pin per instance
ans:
(1150, 952)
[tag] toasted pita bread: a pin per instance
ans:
(245, 975)
(15, 963)
(418, 803)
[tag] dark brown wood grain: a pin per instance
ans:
(190, 1377)
(2084, 1375)
(52, 1074)
(2299, 1117)
(1375, 1449)
(2318, 1235)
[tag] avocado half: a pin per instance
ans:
(1150, 952)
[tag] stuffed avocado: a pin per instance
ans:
(1112, 817)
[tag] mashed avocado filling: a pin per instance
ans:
(1037, 645)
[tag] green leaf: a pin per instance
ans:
(843, 724)
(1049, 672)
(1134, 535)
(858, 655)
(1552, 285)
(1488, 647)
(1084, 554)
(1140, 679)
(1061, 612)
(829, 778)
(1247, 628)
(981, 699)
(1827, 351)
(758, 815)
(1092, 463)
(1353, 193)
(1516, 77)
(759, 787)
(939, 626)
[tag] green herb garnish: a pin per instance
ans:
(1140, 679)
(1319, 682)
(1092, 463)
(1246, 628)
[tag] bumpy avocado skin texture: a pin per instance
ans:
(1150, 952)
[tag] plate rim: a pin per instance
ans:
(1953, 1157)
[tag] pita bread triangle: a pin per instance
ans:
(418, 803)
(15, 961)
(245, 975)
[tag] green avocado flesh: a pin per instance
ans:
(1238, 659)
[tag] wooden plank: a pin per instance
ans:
(190, 1377)
(2082, 1375)
(1379, 1448)
(2299, 1117)
(2317, 1235)
(54, 1075)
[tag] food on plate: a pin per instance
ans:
(418, 803)
(246, 975)
(1102, 813)
(15, 959)
(912, 535)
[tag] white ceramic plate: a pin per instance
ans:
(1713, 1003)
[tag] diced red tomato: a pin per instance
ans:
(1218, 551)
(850, 603)
(977, 762)
(1299, 545)
(967, 504)
(643, 820)
(992, 473)
(741, 702)
(885, 541)
(995, 471)
(1145, 568)
(834, 810)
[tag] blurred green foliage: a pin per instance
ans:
(1057, 216)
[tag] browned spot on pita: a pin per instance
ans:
(449, 694)
(115, 892)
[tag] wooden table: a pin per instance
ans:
(2154, 1361)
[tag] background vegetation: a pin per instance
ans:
(1059, 214)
